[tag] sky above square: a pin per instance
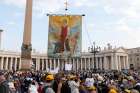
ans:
(106, 21)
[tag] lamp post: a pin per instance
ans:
(94, 50)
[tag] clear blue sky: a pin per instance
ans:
(106, 21)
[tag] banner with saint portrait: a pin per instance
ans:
(64, 37)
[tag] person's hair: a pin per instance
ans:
(33, 83)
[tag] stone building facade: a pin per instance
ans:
(134, 57)
(110, 59)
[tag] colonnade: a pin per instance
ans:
(107, 62)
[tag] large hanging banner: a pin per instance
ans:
(64, 37)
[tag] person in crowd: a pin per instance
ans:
(74, 84)
(33, 87)
(12, 87)
(48, 85)
(65, 85)
(134, 91)
(4, 87)
(40, 87)
(86, 81)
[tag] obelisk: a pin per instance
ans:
(1, 38)
(26, 49)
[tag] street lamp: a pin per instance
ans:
(94, 50)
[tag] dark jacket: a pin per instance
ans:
(4, 88)
(65, 88)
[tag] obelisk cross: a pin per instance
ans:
(66, 5)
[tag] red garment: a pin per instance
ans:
(40, 89)
(64, 32)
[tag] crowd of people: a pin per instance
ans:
(70, 82)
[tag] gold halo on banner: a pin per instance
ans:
(64, 19)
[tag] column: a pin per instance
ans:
(115, 62)
(124, 66)
(88, 63)
(6, 64)
(81, 68)
(127, 63)
(11, 61)
(19, 63)
(54, 61)
(38, 63)
(50, 64)
(77, 64)
(15, 67)
(1, 66)
(46, 64)
(58, 63)
(100, 63)
(42, 64)
(74, 64)
(96, 62)
(112, 62)
(119, 65)
(82, 60)
(44, 61)
(105, 63)
(85, 63)
(92, 60)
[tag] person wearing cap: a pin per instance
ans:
(92, 89)
(90, 86)
(4, 88)
(74, 84)
(113, 89)
(49, 83)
